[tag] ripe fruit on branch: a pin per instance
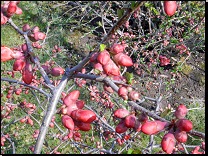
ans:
(121, 128)
(26, 27)
(170, 7)
(168, 142)
(104, 57)
(130, 121)
(122, 92)
(11, 9)
(98, 66)
(93, 58)
(67, 122)
(137, 126)
(57, 71)
(27, 74)
(111, 68)
(39, 36)
(143, 117)
(3, 19)
(18, 65)
(83, 115)
(181, 112)
(123, 60)
(121, 113)
(73, 106)
(108, 88)
(180, 136)
(133, 95)
(184, 125)
(153, 127)
(71, 97)
(117, 48)
(83, 126)
(8, 54)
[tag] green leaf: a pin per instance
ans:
(137, 152)
(129, 77)
(88, 46)
(120, 13)
(165, 113)
(97, 71)
(102, 47)
(132, 5)
(130, 151)
(99, 23)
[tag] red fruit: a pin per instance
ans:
(18, 91)
(39, 36)
(93, 58)
(181, 112)
(130, 121)
(83, 115)
(98, 66)
(11, 9)
(77, 134)
(18, 65)
(108, 88)
(137, 126)
(68, 110)
(30, 121)
(153, 127)
(184, 125)
(168, 143)
(83, 126)
(170, 7)
(35, 135)
(67, 122)
(133, 95)
(80, 104)
(123, 60)
(6, 53)
(143, 117)
(27, 74)
(51, 124)
(195, 151)
(104, 57)
(126, 137)
(36, 29)
(26, 27)
(117, 48)
(180, 136)
(3, 19)
(121, 128)
(111, 68)
(121, 113)
(122, 92)
(57, 71)
(18, 11)
(71, 97)
(70, 135)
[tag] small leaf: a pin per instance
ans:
(83, 9)
(132, 5)
(130, 151)
(120, 13)
(102, 47)
(99, 23)
(137, 152)
(96, 71)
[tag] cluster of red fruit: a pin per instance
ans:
(74, 116)
(177, 130)
(3, 139)
(8, 9)
(103, 62)
(129, 121)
